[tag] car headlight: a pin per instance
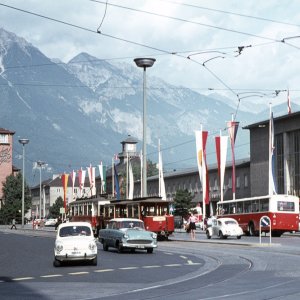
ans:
(59, 247)
(125, 236)
(154, 235)
(92, 246)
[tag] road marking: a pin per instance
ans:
(49, 276)
(79, 273)
(184, 257)
(190, 263)
(173, 265)
(22, 278)
(149, 267)
(128, 268)
(169, 253)
(104, 270)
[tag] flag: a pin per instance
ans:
(117, 183)
(131, 182)
(64, 179)
(201, 138)
(102, 171)
(161, 181)
(272, 184)
(81, 179)
(73, 177)
(91, 174)
(289, 102)
(232, 129)
(221, 150)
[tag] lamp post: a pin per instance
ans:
(41, 164)
(23, 142)
(144, 63)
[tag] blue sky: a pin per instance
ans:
(198, 32)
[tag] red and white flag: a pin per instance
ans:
(201, 138)
(81, 179)
(91, 174)
(221, 150)
(73, 177)
(64, 179)
(232, 129)
(289, 102)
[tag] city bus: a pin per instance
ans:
(89, 210)
(283, 211)
(153, 211)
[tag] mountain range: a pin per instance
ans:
(77, 113)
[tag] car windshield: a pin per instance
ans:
(75, 231)
(132, 224)
(230, 222)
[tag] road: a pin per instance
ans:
(178, 269)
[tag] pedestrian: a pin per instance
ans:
(59, 221)
(13, 224)
(192, 225)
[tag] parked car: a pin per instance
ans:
(75, 242)
(123, 233)
(199, 225)
(50, 222)
(223, 228)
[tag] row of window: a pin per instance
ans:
(196, 186)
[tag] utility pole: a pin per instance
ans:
(41, 164)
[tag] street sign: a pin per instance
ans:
(265, 221)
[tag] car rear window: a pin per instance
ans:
(230, 222)
(75, 231)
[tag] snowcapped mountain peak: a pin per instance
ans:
(7, 39)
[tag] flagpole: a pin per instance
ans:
(141, 173)
(113, 177)
(221, 181)
(203, 177)
(127, 172)
(159, 173)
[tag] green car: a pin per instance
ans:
(123, 233)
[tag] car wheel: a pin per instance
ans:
(239, 237)
(251, 229)
(56, 263)
(120, 248)
(221, 235)
(94, 261)
(150, 250)
(105, 247)
(208, 235)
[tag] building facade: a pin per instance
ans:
(286, 151)
(52, 189)
(6, 166)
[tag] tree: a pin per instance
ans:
(12, 199)
(54, 211)
(182, 202)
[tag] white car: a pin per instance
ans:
(74, 242)
(50, 222)
(223, 228)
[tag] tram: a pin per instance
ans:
(153, 211)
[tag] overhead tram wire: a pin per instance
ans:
(86, 29)
(188, 21)
(231, 13)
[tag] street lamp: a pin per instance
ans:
(144, 63)
(23, 142)
(41, 164)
